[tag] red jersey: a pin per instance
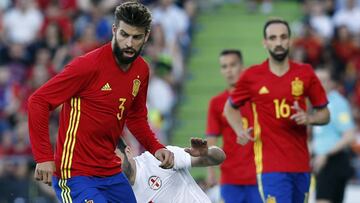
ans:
(239, 166)
(97, 99)
(281, 144)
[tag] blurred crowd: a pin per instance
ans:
(39, 37)
(328, 36)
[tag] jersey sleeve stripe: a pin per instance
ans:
(64, 151)
(66, 169)
(74, 135)
(68, 149)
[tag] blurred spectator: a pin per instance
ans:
(38, 74)
(265, 6)
(344, 48)
(159, 88)
(86, 42)
(165, 14)
(54, 41)
(353, 77)
(177, 38)
(22, 22)
(4, 4)
(311, 45)
(156, 45)
(68, 7)
(14, 183)
(348, 16)
(42, 70)
(329, 7)
(161, 109)
(191, 8)
(321, 23)
(352, 71)
(94, 15)
(340, 4)
(54, 16)
(4, 91)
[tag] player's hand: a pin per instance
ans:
(166, 157)
(245, 136)
(319, 163)
(300, 117)
(44, 172)
(198, 148)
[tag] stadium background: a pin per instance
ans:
(37, 37)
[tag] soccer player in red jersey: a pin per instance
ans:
(278, 90)
(238, 178)
(100, 92)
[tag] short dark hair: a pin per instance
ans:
(275, 21)
(122, 145)
(133, 13)
(237, 52)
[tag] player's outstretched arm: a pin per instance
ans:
(211, 179)
(233, 116)
(202, 155)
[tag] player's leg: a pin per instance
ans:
(117, 189)
(332, 178)
(77, 189)
(275, 187)
(340, 190)
(325, 185)
(252, 194)
(232, 193)
(301, 187)
(343, 171)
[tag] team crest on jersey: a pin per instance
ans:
(297, 87)
(155, 182)
(136, 87)
(89, 201)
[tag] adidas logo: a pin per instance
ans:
(106, 87)
(263, 90)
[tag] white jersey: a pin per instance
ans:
(156, 185)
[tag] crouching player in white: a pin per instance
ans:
(152, 184)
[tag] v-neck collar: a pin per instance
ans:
(267, 63)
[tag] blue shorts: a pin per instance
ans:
(284, 187)
(84, 189)
(240, 193)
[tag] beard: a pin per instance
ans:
(120, 56)
(281, 56)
